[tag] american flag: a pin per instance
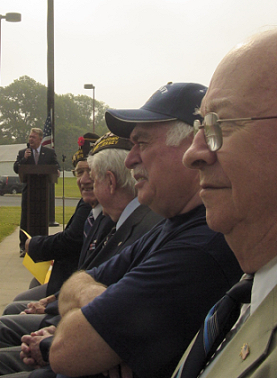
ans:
(46, 141)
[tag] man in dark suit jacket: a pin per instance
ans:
(140, 221)
(35, 153)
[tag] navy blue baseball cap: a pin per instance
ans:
(173, 101)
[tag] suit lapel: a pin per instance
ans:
(100, 229)
(257, 333)
(104, 252)
(89, 239)
(41, 158)
(116, 243)
(127, 227)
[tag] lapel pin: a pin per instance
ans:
(92, 245)
(245, 350)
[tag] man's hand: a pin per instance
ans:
(27, 242)
(30, 351)
(38, 307)
(27, 153)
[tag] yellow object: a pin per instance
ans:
(38, 270)
(48, 274)
(42, 270)
(26, 233)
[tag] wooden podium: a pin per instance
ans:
(38, 178)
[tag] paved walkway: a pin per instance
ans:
(14, 277)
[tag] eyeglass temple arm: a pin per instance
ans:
(245, 119)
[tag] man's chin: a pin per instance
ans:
(143, 198)
(88, 199)
(218, 222)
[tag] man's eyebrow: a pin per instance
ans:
(134, 137)
(217, 104)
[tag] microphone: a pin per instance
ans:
(28, 145)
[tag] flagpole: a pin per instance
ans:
(50, 98)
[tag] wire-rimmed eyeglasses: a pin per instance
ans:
(212, 128)
(78, 172)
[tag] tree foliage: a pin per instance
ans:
(23, 105)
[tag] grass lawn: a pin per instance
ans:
(70, 188)
(10, 216)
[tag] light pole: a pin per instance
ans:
(10, 17)
(91, 86)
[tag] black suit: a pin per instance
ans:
(46, 156)
(63, 247)
(136, 225)
(98, 232)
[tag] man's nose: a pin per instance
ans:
(86, 176)
(198, 153)
(133, 157)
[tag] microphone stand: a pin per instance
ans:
(63, 160)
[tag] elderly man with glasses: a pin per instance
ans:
(235, 152)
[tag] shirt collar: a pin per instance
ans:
(264, 281)
(127, 212)
(38, 149)
(96, 210)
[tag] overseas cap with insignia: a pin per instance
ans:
(109, 140)
(173, 101)
(85, 143)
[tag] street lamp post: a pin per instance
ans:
(91, 86)
(10, 17)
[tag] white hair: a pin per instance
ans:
(112, 159)
(177, 132)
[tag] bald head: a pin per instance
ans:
(248, 74)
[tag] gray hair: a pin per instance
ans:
(177, 132)
(112, 159)
(37, 131)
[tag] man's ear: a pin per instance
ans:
(111, 181)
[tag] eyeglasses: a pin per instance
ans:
(79, 172)
(212, 128)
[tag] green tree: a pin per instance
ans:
(73, 118)
(23, 105)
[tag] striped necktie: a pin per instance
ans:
(88, 224)
(217, 324)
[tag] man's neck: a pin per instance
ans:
(37, 148)
(253, 245)
(194, 202)
(120, 204)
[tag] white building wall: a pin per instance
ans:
(8, 154)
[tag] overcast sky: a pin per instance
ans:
(127, 48)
